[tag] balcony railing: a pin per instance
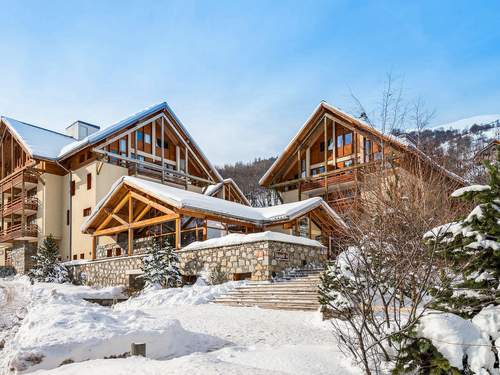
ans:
(18, 178)
(19, 232)
(17, 205)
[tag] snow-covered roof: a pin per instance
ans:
(39, 142)
(48, 144)
(211, 190)
(237, 238)
(189, 200)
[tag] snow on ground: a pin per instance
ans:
(204, 338)
(287, 359)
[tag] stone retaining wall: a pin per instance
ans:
(262, 260)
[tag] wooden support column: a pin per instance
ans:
(334, 150)
(300, 177)
(178, 232)
(325, 139)
(308, 162)
(205, 230)
(162, 148)
(130, 229)
(178, 158)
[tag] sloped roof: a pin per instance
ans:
(38, 142)
(184, 199)
(48, 144)
(397, 142)
(211, 190)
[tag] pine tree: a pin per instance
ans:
(161, 265)
(46, 266)
(472, 244)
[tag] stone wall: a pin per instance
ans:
(262, 260)
(21, 254)
(108, 272)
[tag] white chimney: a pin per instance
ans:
(81, 129)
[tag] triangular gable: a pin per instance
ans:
(363, 128)
(229, 186)
(160, 111)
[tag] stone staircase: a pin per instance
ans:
(296, 291)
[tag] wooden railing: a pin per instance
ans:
(18, 204)
(18, 231)
(16, 178)
(331, 178)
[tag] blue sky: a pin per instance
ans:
(243, 76)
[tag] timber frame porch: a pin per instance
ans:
(135, 216)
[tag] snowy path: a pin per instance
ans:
(14, 296)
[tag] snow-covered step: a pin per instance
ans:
(297, 293)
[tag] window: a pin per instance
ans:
(348, 163)
(317, 171)
(109, 253)
(348, 138)
(72, 188)
(322, 147)
(302, 168)
(330, 144)
(340, 141)
(123, 145)
(82, 256)
(147, 138)
(182, 165)
(139, 136)
(89, 181)
(158, 143)
(67, 217)
(87, 211)
(118, 251)
(75, 257)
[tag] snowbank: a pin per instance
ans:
(61, 328)
(455, 338)
(236, 238)
(187, 295)
(255, 360)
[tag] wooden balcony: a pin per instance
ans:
(16, 179)
(19, 232)
(20, 205)
(343, 176)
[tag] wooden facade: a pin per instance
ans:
(332, 152)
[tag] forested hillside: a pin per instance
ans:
(247, 176)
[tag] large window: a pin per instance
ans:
(123, 145)
(147, 138)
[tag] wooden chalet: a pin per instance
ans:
(333, 151)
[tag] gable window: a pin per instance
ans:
(72, 188)
(139, 136)
(89, 181)
(322, 147)
(87, 211)
(330, 144)
(158, 143)
(147, 138)
(123, 145)
(340, 141)
(348, 139)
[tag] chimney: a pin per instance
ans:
(81, 129)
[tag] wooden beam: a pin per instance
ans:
(130, 241)
(178, 232)
(139, 224)
(115, 210)
(143, 212)
(153, 204)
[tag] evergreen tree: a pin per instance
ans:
(46, 266)
(472, 246)
(161, 265)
